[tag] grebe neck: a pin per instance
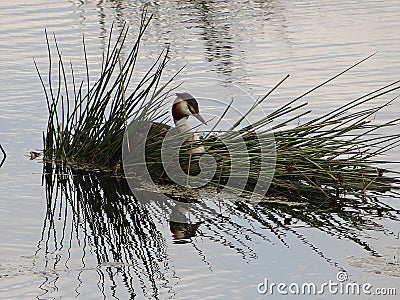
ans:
(183, 126)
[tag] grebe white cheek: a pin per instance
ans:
(185, 105)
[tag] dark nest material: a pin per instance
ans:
(331, 157)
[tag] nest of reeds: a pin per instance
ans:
(333, 156)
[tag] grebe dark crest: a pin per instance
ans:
(185, 105)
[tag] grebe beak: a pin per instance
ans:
(200, 118)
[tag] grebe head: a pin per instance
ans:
(184, 106)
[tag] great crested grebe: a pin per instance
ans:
(184, 106)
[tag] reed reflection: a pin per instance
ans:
(99, 216)
(94, 217)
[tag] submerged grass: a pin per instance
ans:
(332, 156)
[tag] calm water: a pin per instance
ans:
(80, 237)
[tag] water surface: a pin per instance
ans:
(88, 241)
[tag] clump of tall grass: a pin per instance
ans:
(87, 120)
(328, 157)
(335, 155)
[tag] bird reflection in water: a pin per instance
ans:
(182, 228)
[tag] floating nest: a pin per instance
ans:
(329, 159)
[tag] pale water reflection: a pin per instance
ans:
(86, 237)
(94, 223)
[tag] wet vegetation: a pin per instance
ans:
(327, 161)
